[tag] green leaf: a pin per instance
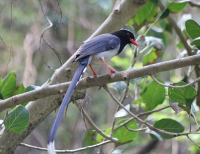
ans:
(17, 120)
(89, 138)
(169, 125)
(177, 6)
(180, 95)
(192, 28)
(101, 138)
(180, 45)
(146, 13)
(154, 95)
(138, 101)
(8, 85)
(123, 134)
(31, 87)
(1, 96)
(19, 89)
(196, 42)
(165, 14)
(150, 57)
(120, 87)
(122, 62)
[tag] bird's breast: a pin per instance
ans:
(105, 55)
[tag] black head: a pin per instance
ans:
(125, 36)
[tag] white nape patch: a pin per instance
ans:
(51, 148)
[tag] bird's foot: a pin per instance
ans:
(95, 75)
(111, 72)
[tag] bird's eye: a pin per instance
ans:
(128, 35)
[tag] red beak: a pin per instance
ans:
(134, 42)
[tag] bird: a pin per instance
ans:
(95, 51)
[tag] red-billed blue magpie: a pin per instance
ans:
(97, 50)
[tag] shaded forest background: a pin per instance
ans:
(22, 23)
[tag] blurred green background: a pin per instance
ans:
(73, 22)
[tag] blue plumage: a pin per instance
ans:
(83, 62)
(98, 44)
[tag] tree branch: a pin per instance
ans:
(93, 125)
(66, 151)
(98, 81)
(170, 86)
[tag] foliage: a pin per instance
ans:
(17, 120)
(157, 42)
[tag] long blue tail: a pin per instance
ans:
(83, 62)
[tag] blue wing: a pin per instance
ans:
(100, 43)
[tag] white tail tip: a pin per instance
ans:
(51, 148)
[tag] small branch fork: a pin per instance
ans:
(145, 123)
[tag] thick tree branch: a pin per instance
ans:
(99, 81)
(41, 108)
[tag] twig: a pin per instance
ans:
(136, 130)
(41, 37)
(125, 94)
(66, 151)
(145, 123)
(170, 86)
(81, 109)
(141, 114)
(192, 140)
(93, 125)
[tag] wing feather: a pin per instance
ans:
(100, 43)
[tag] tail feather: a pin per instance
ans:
(82, 65)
